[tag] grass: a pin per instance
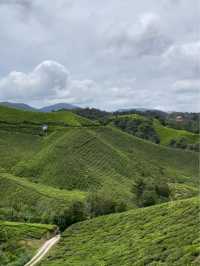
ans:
(107, 160)
(87, 159)
(41, 177)
(63, 118)
(166, 234)
(19, 241)
(166, 134)
(17, 146)
(22, 200)
(130, 116)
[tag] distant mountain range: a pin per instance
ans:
(58, 106)
(21, 106)
(50, 108)
(132, 109)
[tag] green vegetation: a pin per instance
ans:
(166, 134)
(108, 161)
(19, 241)
(138, 126)
(153, 130)
(22, 200)
(166, 234)
(101, 161)
(61, 118)
(190, 121)
(94, 114)
(82, 169)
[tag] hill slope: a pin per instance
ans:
(22, 200)
(62, 118)
(93, 159)
(19, 241)
(105, 158)
(166, 134)
(20, 106)
(151, 129)
(58, 106)
(166, 234)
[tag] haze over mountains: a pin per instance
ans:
(50, 108)
(56, 107)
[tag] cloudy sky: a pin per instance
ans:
(108, 54)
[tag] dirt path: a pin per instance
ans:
(43, 251)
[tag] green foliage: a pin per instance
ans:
(190, 121)
(81, 170)
(22, 200)
(166, 234)
(62, 118)
(19, 241)
(94, 114)
(170, 135)
(104, 159)
(149, 192)
(151, 127)
(101, 204)
(75, 213)
(138, 126)
(182, 143)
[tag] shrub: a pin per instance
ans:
(140, 128)
(148, 193)
(75, 213)
(99, 204)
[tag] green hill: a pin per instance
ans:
(166, 234)
(107, 160)
(166, 134)
(19, 241)
(22, 200)
(30, 122)
(99, 159)
(81, 169)
(152, 129)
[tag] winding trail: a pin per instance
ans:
(43, 251)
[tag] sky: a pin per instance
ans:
(107, 54)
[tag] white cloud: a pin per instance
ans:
(51, 82)
(188, 86)
(142, 38)
(183, 59)
(46, 80)
(138, 68)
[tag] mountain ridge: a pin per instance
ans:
(45, 109)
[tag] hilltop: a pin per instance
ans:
(49, 108)
(62, 118)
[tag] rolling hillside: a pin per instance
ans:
(80, 170)
(166, 234)
(22, 200)
(99, 159)
(61, 118)
(19, 241)
(107, 160)
(164, 134)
